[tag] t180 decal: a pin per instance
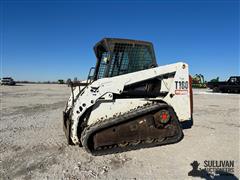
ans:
(181, 87)
(181, 84)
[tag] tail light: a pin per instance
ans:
(164, 116)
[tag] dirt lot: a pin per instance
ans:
(33, 145)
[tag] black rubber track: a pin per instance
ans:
(140, 111)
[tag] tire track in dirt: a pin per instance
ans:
(31, 110)
(26, 161)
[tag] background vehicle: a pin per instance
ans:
(214, 80)
(232, 85)
(61, 81)
(128, 102)
(198, 81)
(8, 81)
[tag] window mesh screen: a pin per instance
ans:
(103, 65)
(124, 58)
(127, 58)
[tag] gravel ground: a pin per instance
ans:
(33, 145)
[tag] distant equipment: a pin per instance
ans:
(61, 81)
(215, 80)
(198, 81)
(232, 85)
(8, 81)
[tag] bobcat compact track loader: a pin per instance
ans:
(128, 102)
